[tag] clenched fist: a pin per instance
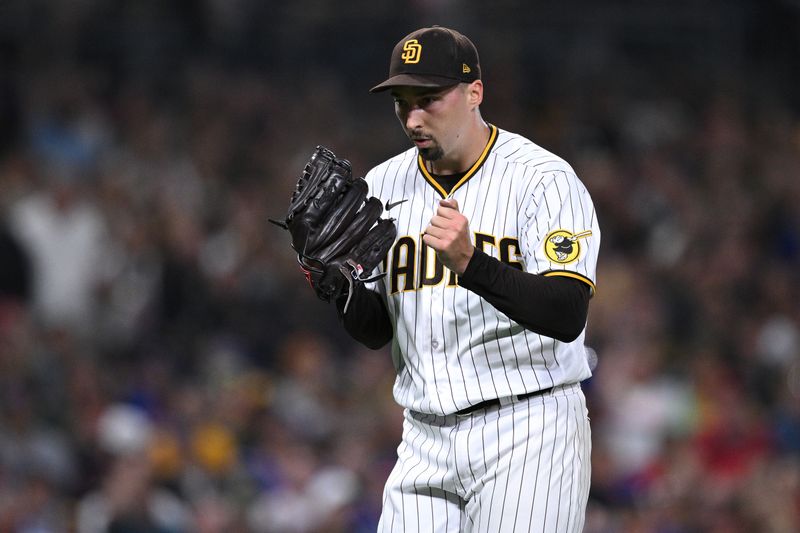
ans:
(448, 234)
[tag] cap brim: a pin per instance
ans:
(414, 80)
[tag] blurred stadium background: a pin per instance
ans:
(163, 368)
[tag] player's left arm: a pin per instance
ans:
(559, 235)
(559, 240)
(553, 306)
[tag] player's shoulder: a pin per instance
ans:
(518, 150)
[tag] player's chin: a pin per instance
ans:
(431, 153)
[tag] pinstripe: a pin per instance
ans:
(483, 306)
(559, 193)
(473, 359)
(572, 199)
(582, 477)
(419, 465)
(525, 463)
(402, 451)
(514, 338)
(427, 466)
(525, 407)
(484, 456)
(569, 444)
(472, 477)
(452, 451)
(450, 381)
(553, 347)
(434, 471)
(484, 313)
(544, 357)
(586, 463)
(425, 215)
(494, 475)
(508, 471)
(470, 296)
(442, 445)
(575, 481)
(423, 465)
(513, 346)
(458, 337)
(408, 470)
(546, 202)
(481, 395)
(501, 144)
(504, 231)
(550, 471)
(560, 202)
(458, 350)
(561, 478)
(538, 467)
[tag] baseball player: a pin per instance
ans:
(484, 300)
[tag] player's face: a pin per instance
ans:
(432, 118)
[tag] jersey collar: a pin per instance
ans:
(472, 170)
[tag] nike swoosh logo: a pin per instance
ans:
(390, 205)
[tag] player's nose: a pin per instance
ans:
(413, 119)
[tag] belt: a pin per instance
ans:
(495, 402)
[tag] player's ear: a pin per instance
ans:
(475, 93)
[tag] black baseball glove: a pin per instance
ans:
(336, 231)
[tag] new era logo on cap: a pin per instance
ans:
(432, 57)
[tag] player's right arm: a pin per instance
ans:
(367, 319)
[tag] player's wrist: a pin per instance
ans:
(474, 265)
(465, 260)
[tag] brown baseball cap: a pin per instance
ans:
(432, 57)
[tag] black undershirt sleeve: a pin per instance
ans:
(367, 319)
(555, 306)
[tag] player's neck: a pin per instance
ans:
(462, 160)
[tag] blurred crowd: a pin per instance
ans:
(163, 366)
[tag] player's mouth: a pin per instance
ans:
(422, 142)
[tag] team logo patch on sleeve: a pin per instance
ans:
(564, 247)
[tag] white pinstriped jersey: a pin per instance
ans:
(527, 208)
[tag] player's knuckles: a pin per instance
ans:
(449, 203)
(432, 242)
(431, 230)
(448, 213)
(438, 221)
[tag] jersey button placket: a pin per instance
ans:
(436, 311)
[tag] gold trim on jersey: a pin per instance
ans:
(473, 169)
(573, 275)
